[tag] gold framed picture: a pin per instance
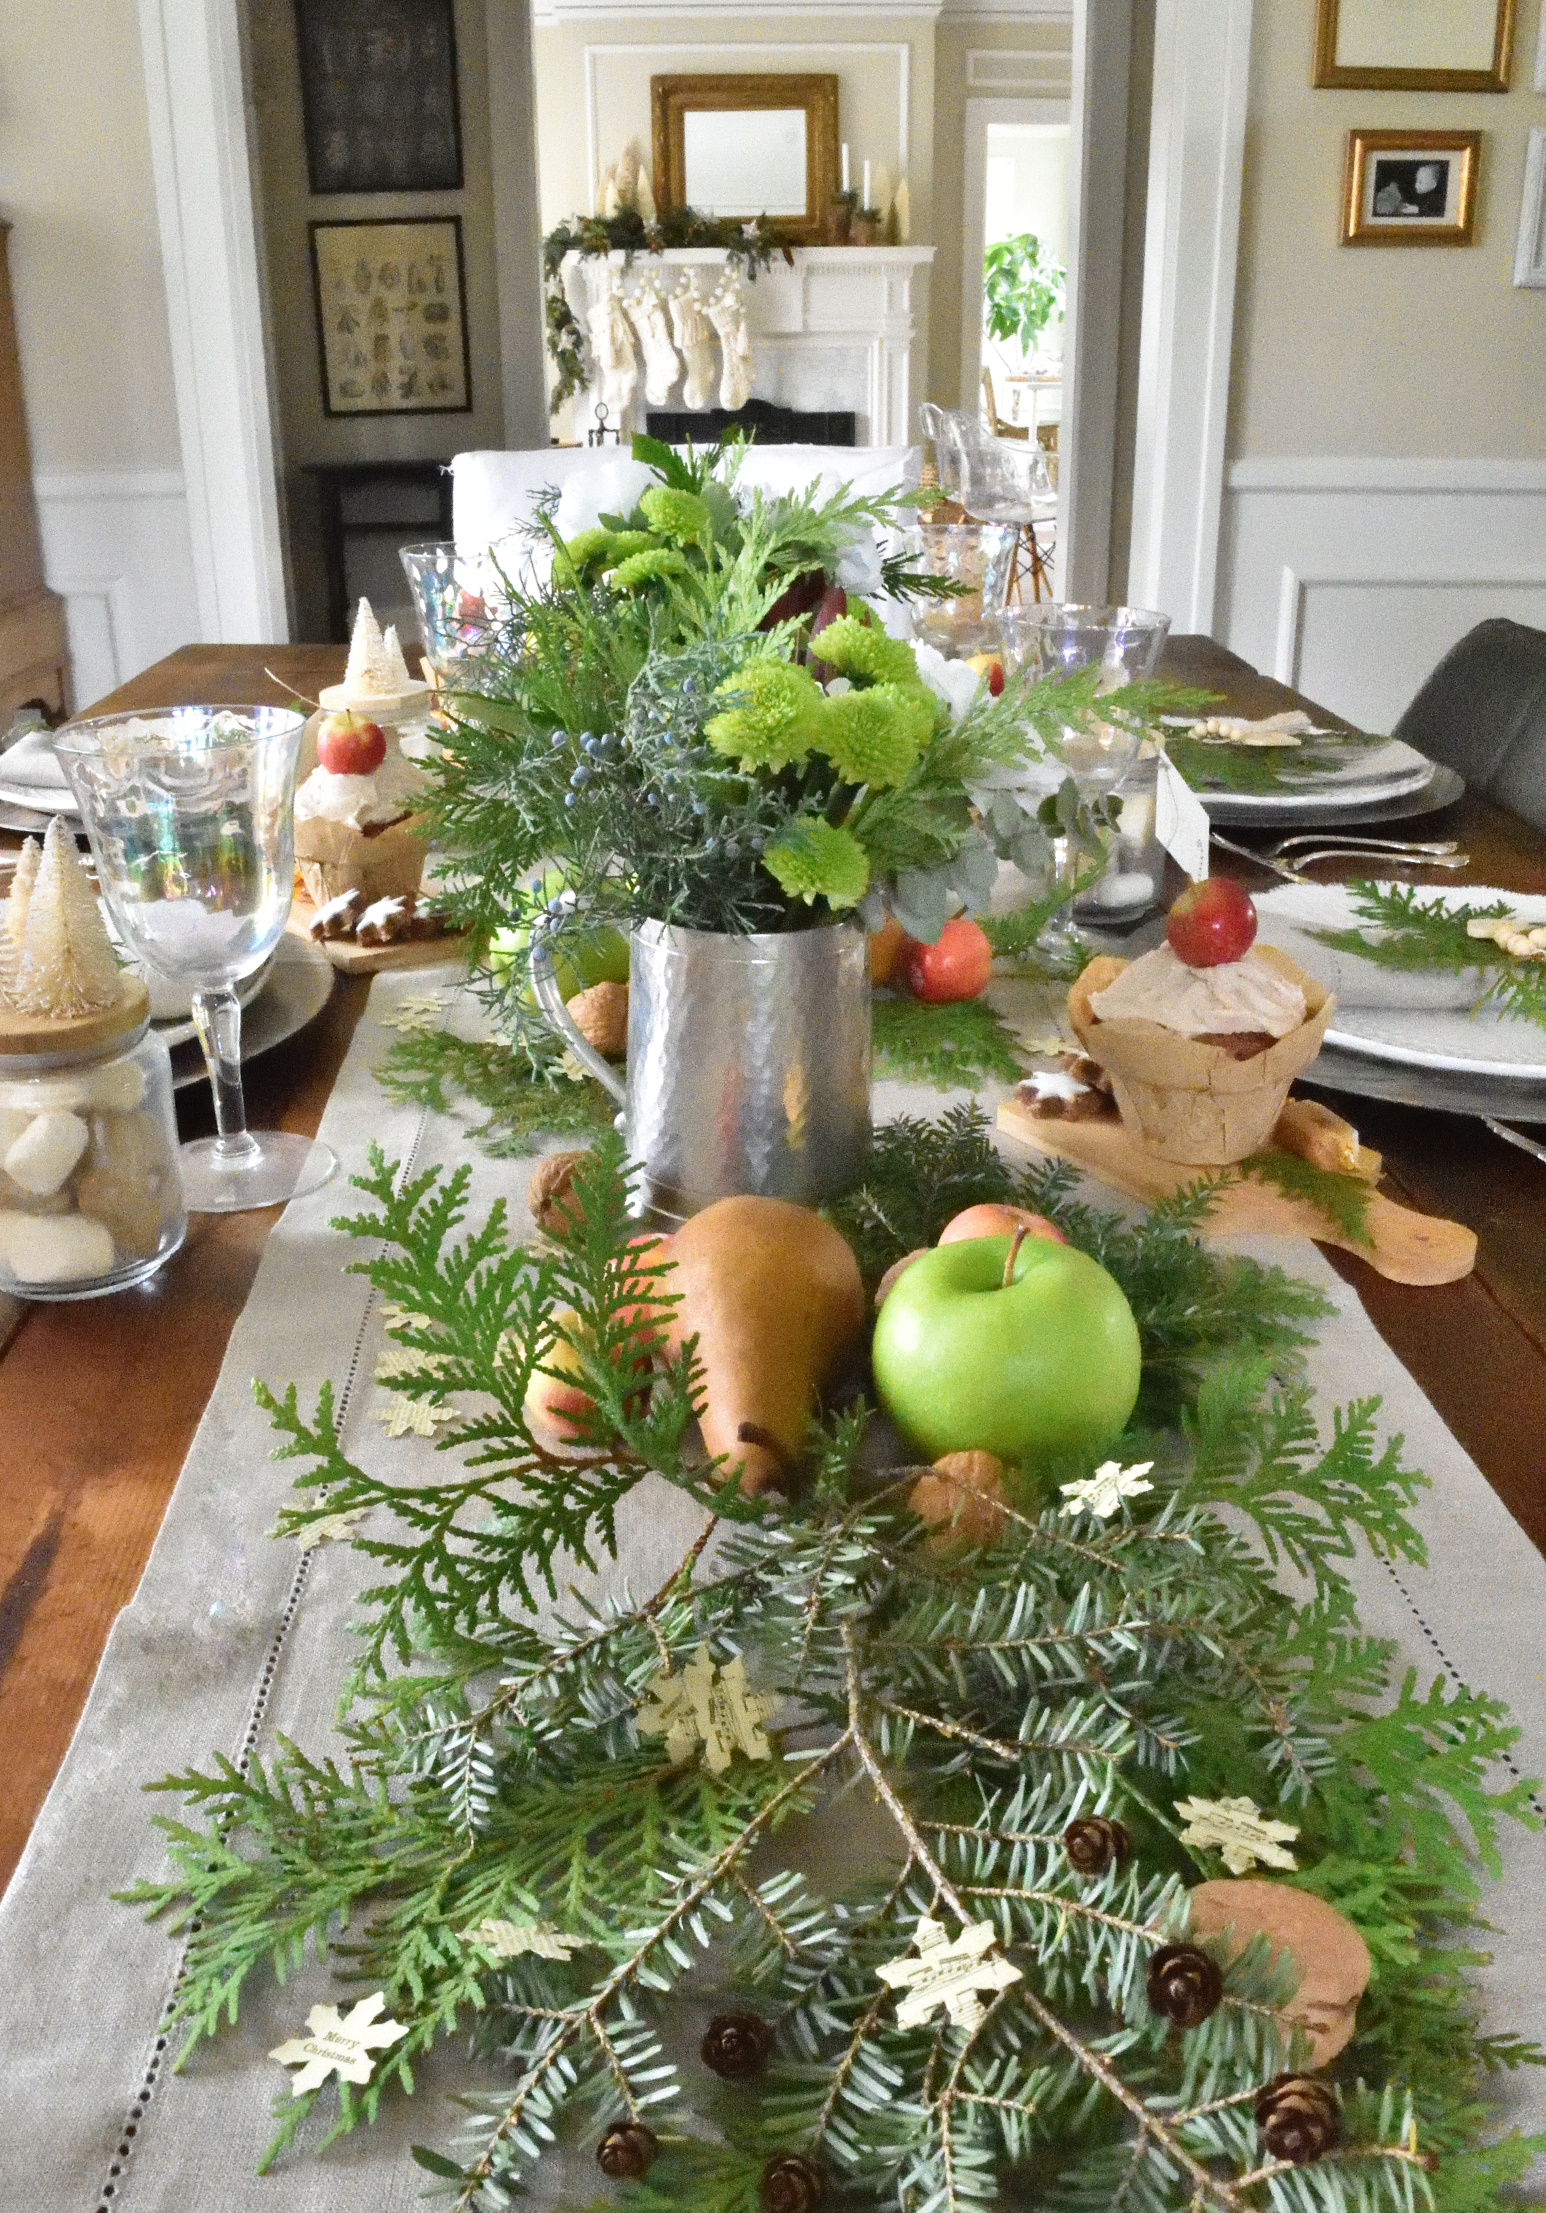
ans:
(392, 316)
(745, 145)
(1413, 45)
(1410, 188)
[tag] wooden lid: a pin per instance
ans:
(77, 1033)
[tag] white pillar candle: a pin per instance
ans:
(865, 201)
(845, 165)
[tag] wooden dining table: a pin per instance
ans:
(99, 1399)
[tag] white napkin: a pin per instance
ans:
(32, 760)
(1290, 911)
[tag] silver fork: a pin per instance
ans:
(1515, 1137)
(1362, 844)
(1337, 853)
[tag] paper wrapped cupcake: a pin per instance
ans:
(357, 828)
(1202, 1037)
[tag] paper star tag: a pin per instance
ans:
(1103, 1492)
(418, 1012)
(331, 1529)
(1239, 1830)
(709, 1705)
(345, 2048)
(949, 1974)
(395, 1360)
(509, 1939)
(413, 1416)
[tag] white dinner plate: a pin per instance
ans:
(1415, 1021)
(41, 800)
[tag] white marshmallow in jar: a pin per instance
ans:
(89, 1187)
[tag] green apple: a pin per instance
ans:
(1042, 1368)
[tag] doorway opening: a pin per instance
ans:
(1014, 330)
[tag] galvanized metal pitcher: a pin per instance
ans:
(748, 1062)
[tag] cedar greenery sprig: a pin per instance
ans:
(1412, 933)
(1257, 771)
(524, 1098)
(982, 1700)
(1342, 1200)
(946, 1046)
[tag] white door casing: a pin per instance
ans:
(1202, 57)
(201, 149)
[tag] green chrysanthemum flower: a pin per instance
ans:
(776, 725)
(651, 566)
(588, 547)
(874, 737)
(681, 516)
(858, 649)
(622, 545)
(814, 861)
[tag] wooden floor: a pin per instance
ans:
(98, 1401)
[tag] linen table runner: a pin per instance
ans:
(233, 1637)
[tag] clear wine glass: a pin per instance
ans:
(190, 813)
(1051, 639)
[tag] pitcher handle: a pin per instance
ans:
(544, 984)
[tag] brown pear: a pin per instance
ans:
(773, 1295)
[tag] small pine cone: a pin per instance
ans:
(550, 1193)
(736, 2045)
(1184, 1985)
(1093, 1844)
(601, 1017)
(791, 2183)
(1298, 2118)
(627, 2152)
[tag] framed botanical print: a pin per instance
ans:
(1410, 188)
(392, 316)
(379, 94)
(1414, 45)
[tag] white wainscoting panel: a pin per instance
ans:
(1350, 578)
(117, 548)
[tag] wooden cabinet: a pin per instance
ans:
(34, 654)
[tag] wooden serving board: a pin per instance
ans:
(369, 960)
(1406, 1247)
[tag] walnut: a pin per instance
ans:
(601, 1017)
(962, 1498)
(550, 1193)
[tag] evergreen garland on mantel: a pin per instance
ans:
(720, 2034)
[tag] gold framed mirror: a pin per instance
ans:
(740, 146)
(1413, 45)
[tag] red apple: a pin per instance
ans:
(999, 1221)
(351, 745)
(888, 949)
(956, 967)
(995, 679)
(1212, 922)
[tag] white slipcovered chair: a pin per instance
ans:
(494, 494)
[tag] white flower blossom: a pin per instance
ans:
(952, 681)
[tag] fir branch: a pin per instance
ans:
(949, 1046)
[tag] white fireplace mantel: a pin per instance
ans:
(842, 328)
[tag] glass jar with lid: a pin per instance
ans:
(90, 1195)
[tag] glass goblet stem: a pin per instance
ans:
(217, 1016)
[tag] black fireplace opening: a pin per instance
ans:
(769, 425)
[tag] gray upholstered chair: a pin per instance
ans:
(1483, 711)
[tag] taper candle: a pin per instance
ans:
(845, 165)
(865, 201)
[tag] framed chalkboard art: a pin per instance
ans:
(378, 86)
(392, 316)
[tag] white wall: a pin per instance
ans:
(1387, 487)
(75, 180)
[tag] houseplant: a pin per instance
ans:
(1022, 291)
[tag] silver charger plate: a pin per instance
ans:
(32, 824)
(1443, 788)
(299, 985)
(1503, 1098)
